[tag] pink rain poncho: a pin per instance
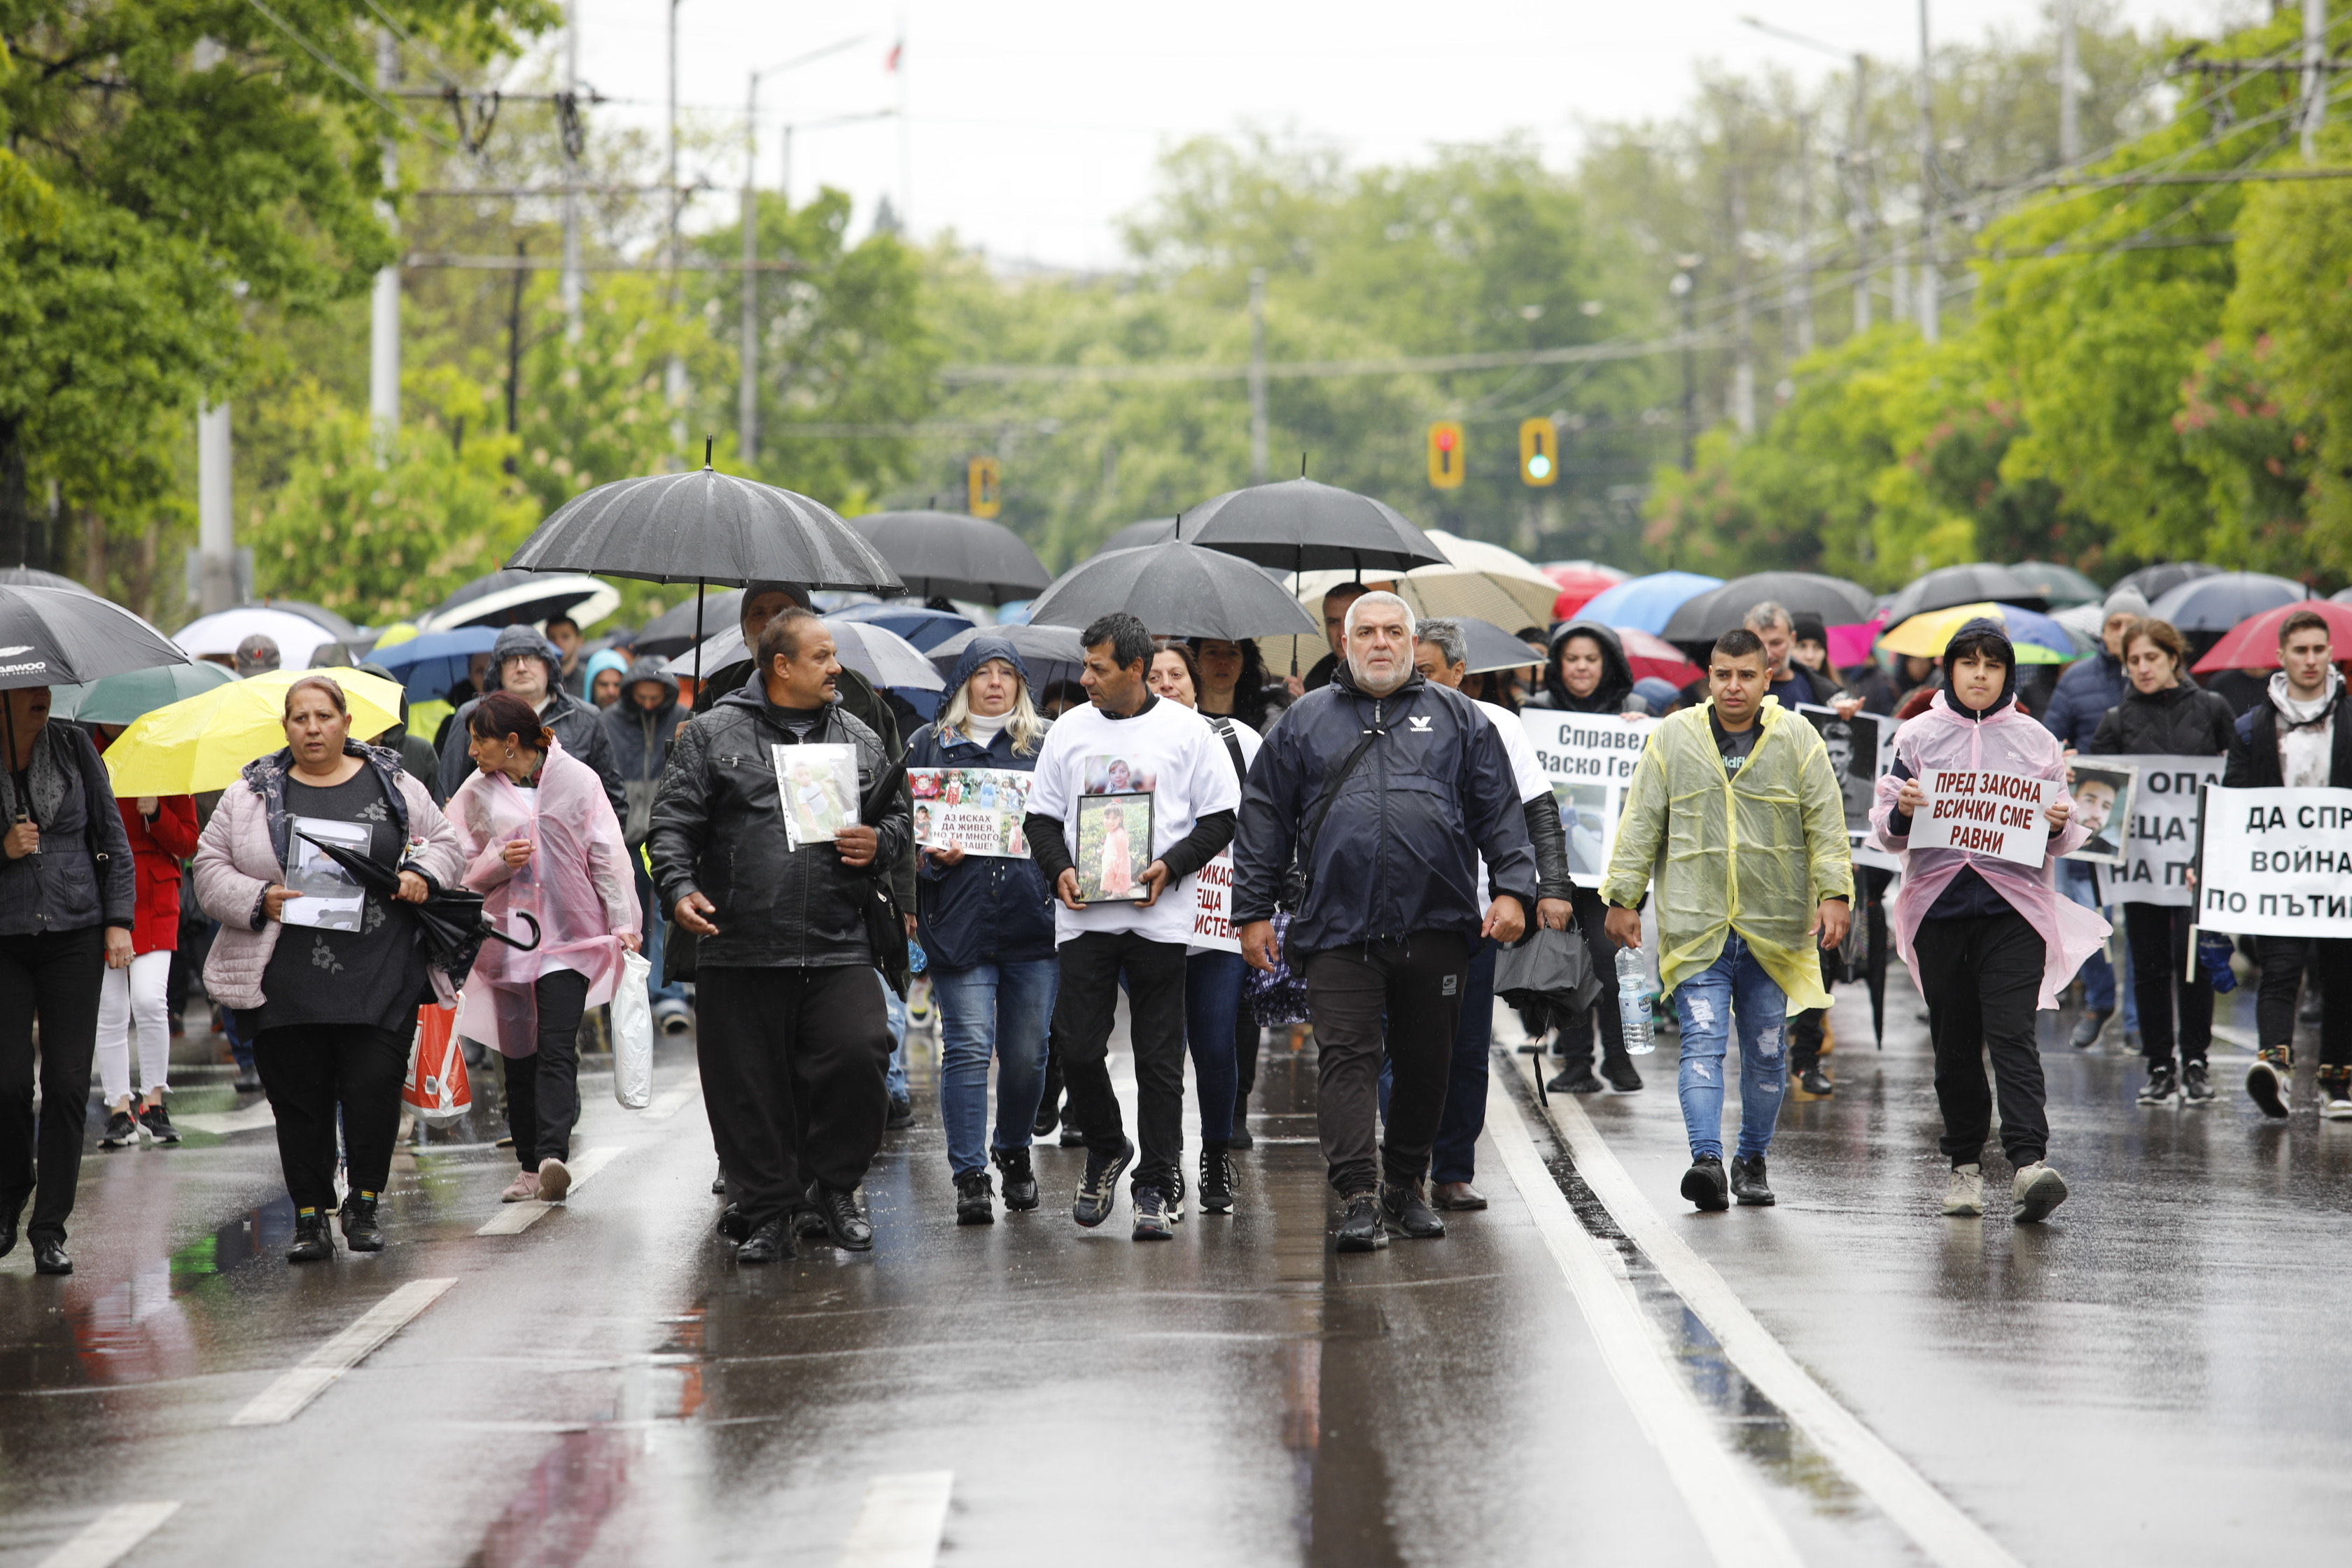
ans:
(2007, 741)
(577, 885)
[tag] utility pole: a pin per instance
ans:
(2314, 78)
(1686, 288)
(674, 381)
(747, 388)
(1743, 311)
(2070, 71)
(1930, 284)
(384, 316)
(571, 288)
(215, 519)
(1797, 305)
(1257, 376)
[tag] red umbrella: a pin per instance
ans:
(1578, 587)
(1650, 653)
(2253, 644)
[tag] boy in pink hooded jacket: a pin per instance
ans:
(1989, 941)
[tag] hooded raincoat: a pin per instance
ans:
(1754, 855)
(1616, 672)
(2003, 741)
(577, 885)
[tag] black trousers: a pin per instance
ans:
(1402, 996)
(52, 976)
(2283, 961)
(794, 1065)
(1574, 1043)
(2159, 955)
(309, 1071)
(1092, 963)
(1246, 1035)
(543, 1090)
(1982, 980)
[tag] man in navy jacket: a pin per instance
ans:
(1388, 790)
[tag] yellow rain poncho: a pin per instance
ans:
(1754, 855)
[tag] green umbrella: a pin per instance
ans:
(120, 699)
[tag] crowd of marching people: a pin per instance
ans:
(1392, 858)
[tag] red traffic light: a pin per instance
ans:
(1445, 438)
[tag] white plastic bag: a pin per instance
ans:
(633, 1035)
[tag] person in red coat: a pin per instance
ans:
(163, 830)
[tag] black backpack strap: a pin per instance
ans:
(1224, 729)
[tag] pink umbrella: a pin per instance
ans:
(1650, 653)
(1577, 588)
(1850, 646)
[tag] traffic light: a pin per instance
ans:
(1538, 452)
(984, 499)
(1445, 455)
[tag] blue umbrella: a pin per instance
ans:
(428, 666)
(1647, 604)
(926, 628)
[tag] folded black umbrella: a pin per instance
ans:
(451, 918)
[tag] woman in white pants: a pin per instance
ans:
(162, 831)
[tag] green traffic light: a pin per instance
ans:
(1538, 466)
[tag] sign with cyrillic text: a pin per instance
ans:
(1212, 906)
(1983, 812)
(2277, 862)
(2161, 848)
(1590, 759)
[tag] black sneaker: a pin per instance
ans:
(1240, 1138)
(1048, 1117)
(844, 1226)
(159, 1126)
(363, 1231)
(1098, 1190)
(2089, 1027)
(1814, 1084)
(1621, 1076)
(718, 1183)
(2196, 1087)
(121, 1131)
(1405, 1211)
(766, 1245)
(1073, 1136)
(1747, 1182)
(975, 1200)
(1216, 1180)
(1705, 1184)
(1176, 1190)
(313, 1241)
(249, 1081)
(734, 1223)
(902, 1114)
(2268, 1081)
(1020, 1180)
(1576, 1080)
(1151, 1217)
(1360, 1229)
(2163, 1086)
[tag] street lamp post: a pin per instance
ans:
(1685, 287)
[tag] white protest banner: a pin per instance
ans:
(978, 810)
(2161, 849)
(1986, 813)
(1590, 759)
(1212, 906)
(2276, 862)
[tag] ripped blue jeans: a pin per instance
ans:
(1735, 985)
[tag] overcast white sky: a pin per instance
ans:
(1035, 124)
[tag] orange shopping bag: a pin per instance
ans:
(437, 1088)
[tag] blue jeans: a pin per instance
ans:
(2074, 881)
(1733, 985)
(1002, 1010)
(655, 926)
(1212, 999)
(896, 1079)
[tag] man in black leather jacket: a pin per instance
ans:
(794, 1039)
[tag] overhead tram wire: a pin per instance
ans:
(327, 58)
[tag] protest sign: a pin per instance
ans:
(2276, 862)
(978, 810)
(2103, 804)
(1986, 813)
(1860, 749)
(2161, 848)
(1590, 759)
(1212, 906)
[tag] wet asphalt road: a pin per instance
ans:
(2157, 1376)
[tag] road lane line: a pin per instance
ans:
(108, 1539)
(221, 1124)
(1932, 1522)
(283, 1399)
(1732, 1516)
(901, 1521)
(671, 1100)
(513, 1220)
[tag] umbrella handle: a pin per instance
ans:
(490, 931)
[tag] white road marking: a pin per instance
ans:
(671, 1100)
(221, 1124)
(285, 1398)
(901, 1521)
(1730, 1513)
(513, 1220)
(1932, 1522)
(108, 1537)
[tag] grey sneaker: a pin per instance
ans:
(2196, 1087)
(1964, 1194)
(2163, 1086)
(2037, 1190)
(2087, 1029)
(1151, 1221)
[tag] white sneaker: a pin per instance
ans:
(2338, 1110)
(2037, 1190)
(1964, 1195)
(554, 1181)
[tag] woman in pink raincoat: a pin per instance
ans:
(1989, 941)
(540, 839)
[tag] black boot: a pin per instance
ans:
(1360, 1229)
(1216, 1180)
(314, 1241)
(1020, 1180)
(1747, 1182)
(766, 1245)
(362, 1230)
(844, 1226)
(1405, 1211)
(975, 1202)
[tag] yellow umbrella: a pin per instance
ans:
(1926, 635)
(200, 742)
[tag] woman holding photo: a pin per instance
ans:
(986, 922)
(330, 1012)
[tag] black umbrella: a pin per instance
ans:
(1706, 618)
(1179, 590)
(1151, 531)
(34, 577)
(946, 555)
(671, 633)
(1049, 653)
(1492, 647)
(1298, 525)
(511, 597)
(69, 637)
(2061, 585)
(1947, 586)
(451, 918)
(2216, 604)
(2152, 583)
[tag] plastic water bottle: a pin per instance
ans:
(1634, 1002)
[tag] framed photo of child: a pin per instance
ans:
(1114, 847)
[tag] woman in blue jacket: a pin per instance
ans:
(986, 923)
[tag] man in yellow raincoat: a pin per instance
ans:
(1736, 811)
